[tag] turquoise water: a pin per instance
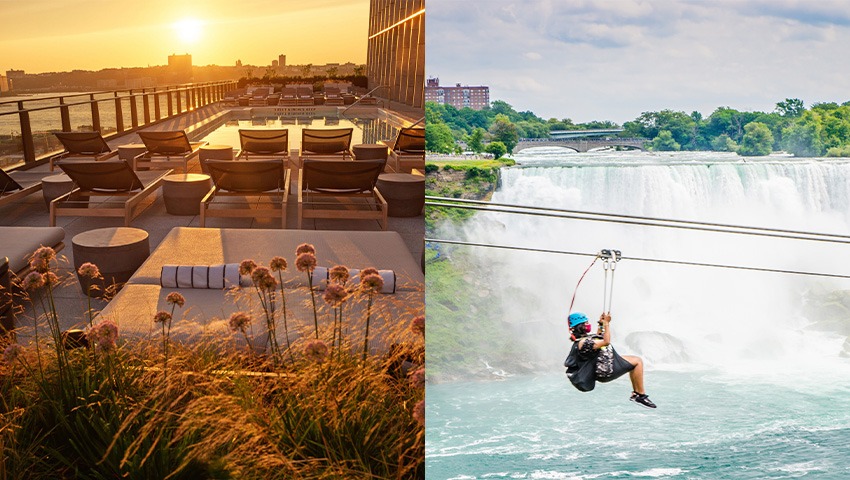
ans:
(708, 425)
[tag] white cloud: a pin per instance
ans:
(532, 55)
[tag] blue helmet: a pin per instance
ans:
(577, 318)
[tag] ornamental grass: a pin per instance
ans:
(116, 409)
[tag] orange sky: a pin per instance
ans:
(60, 35)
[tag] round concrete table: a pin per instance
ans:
(370, 151)
(130, 151)
(404, 193)
(55, 186)
(183, 192)
(117, 251)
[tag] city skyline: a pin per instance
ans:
(613, 60)
(84, 35)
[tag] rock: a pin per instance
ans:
(657, 347)
(845, 352)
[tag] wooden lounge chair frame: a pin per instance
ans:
(167, 150)
(86, 145)
(408, 150)
(13, 189)
(110, 178)
(350, 184)
(251, 178)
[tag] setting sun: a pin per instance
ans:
(188, 30)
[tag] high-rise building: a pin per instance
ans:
(4, 83)
(180, 68)
(274, 63)
(281, 60)
(458, 96)
(396, 53)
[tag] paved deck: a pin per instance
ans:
(72, 304)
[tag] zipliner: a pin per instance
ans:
(592, 358)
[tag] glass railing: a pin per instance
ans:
(27, 123)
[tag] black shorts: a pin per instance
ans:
(621, 367)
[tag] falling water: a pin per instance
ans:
(747, 334)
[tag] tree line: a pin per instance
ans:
(821, 130)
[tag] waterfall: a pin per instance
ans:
(677, 317)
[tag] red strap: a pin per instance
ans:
(573, 301)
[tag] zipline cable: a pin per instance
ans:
(638, 220)
(640, 259)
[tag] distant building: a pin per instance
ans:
(142, 82)
(238, 63)
(458, 96)
(107, 84)
(12, 74)
(4, 83)
(281, 60)
(396, 52)
(275, 63)
(180, 68)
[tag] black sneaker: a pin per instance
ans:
(642, 399)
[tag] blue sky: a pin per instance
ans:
(614, 59)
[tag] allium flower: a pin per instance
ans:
(339, 273)
(162, 317)
(335, 294)
(175, 298)
(419, 412)
(278, 264)
(33, 281)
(417, 378)
(372, 283)
(417, 325)
(306, 262)
(316, 350)
(305, 248)
(263, 279)
(247, 267)
(40, 259)
(12, 352)
(369, 271)
(239, 320)
(89, 270)
(50, 278)
(104, 335)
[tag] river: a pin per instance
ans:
(749, 369)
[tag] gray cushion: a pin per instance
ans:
(18, 243)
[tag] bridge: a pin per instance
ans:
(581, 144)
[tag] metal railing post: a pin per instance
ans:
(95, 114)
(26, 134)
(119, 114)
(134, 110)
(170, 106)
(179, 106)
(146, 104)
(66, 115)
(156, 108)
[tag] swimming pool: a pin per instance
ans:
(366, 129)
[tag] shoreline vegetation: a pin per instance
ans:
(820, 130)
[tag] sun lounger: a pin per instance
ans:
(167, 150)
(326, 143)
(252, 178)
(19, 184)
(340, 189)
(263, 143)
(407, 152)
(206, 311)
(115, 179)
(83, 145)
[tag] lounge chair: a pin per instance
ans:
(170, 149)
(289, 96)
(305, 96)
(252, 178)
(265, 143)
(333, 96)
(408, 150)
(19, 184)
(327, 143)
(258, 97)
(109, 178)
(85, 145)
(341, 189)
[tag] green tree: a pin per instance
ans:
(665, 142)
(498, 149)
(724, 144)
(502, 130)
(332, 71)
(358, 70)
(758, 141)
(790, 107)
(475, 141)
(438, 138)
(803, 138)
